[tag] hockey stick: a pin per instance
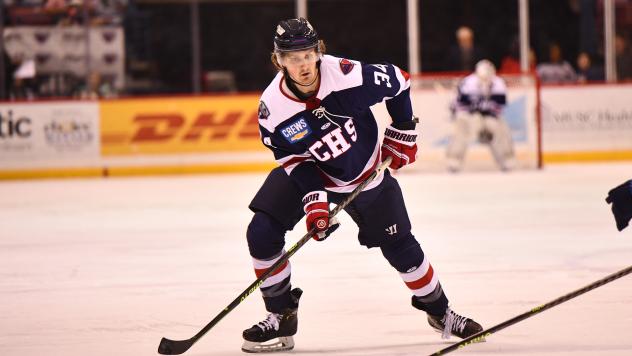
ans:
(485, 333)
(177, 347)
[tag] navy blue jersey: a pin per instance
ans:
(331, 139)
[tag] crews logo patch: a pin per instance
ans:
(346, 66)
(296, 131)
(263, 112)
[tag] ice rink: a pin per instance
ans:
(93, 267)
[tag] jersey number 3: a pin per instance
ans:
(333, 144)
(381, 77)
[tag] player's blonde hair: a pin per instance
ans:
(273, 56)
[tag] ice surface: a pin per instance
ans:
(96, 267)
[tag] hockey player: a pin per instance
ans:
(480, 100)
(315, 118)
(621, 199)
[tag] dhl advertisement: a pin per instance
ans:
(180, 125)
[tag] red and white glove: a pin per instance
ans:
(316, 209)
(401, 144)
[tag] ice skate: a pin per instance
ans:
(274, 334)
(452, 323)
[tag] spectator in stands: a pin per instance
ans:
(24, 3)
(464, 56)
(26, 12)
(556, 70)
(24, 87)
(74, 14)
(9, 69)
(55, 5)
(586, 71)
(511, 62)
(56, 9)
(100, 12)
(21, 80)
(623, 53)
(109, 12)
(95, 88)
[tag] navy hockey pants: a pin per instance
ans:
(382, 219)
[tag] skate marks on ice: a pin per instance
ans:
(89, 265)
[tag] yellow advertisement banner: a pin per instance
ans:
(180, 125)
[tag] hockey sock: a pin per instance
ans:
(266, 238)
(407, 257)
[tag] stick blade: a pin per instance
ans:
(173, 347)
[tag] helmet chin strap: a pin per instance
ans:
(292, 84)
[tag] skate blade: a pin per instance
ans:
(473, 341)
(284, 343)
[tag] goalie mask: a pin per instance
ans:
(485, 72)
(295, 35)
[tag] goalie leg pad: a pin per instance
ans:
(466, 127)
(501, 143)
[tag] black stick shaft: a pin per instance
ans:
(173, 347)
(485, 333)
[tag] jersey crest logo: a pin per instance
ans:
(346, 66)
(296, 131)
(263, 112)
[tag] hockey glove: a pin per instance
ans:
(316, 209)
(621, 199)
(400, 143)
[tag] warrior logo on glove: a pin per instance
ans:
(400, 143)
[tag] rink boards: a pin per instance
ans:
(219, 133)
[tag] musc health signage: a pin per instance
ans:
(52, 132)
(589, 118)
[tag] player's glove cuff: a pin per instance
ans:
(400, 143)
(315, 197)
(402, 137)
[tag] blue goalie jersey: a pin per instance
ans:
(331, 139)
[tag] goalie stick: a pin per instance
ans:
(485, 333)
(177, 347)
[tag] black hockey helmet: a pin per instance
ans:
(294, 35)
